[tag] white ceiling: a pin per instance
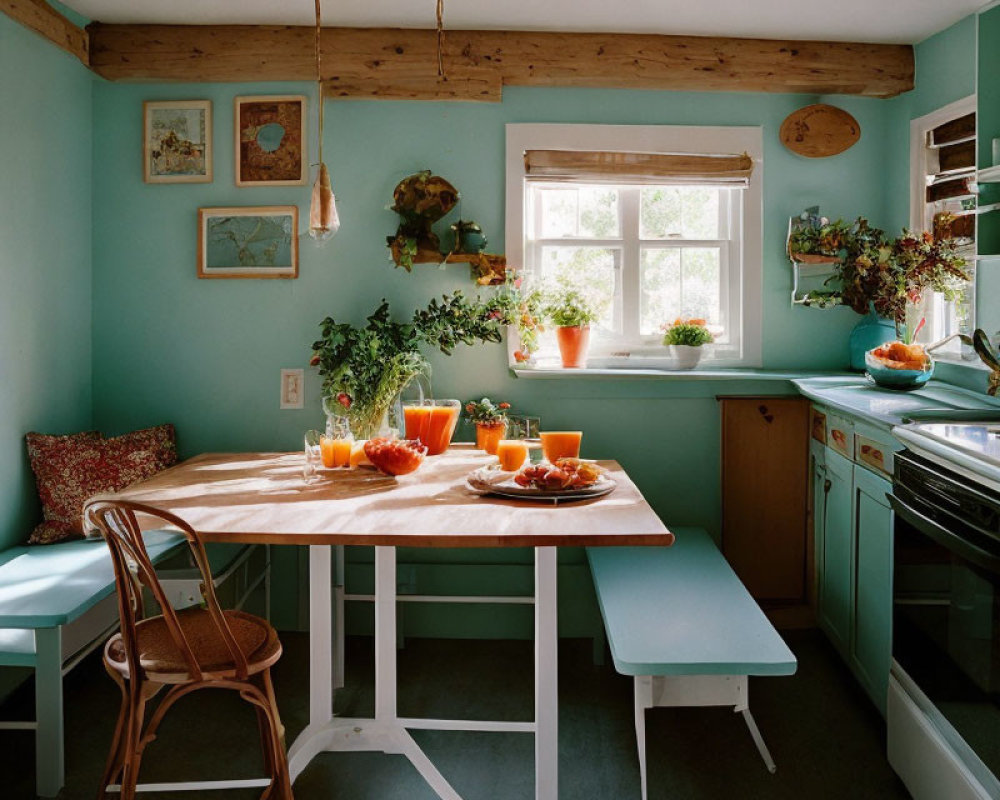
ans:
(903, 21)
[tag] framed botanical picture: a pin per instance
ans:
(271, 141)
(177, 141)
(248, 242)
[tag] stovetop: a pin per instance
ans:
(970, 448)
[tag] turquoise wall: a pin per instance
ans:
(206, 354)
(45, 258)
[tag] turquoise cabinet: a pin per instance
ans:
(871, 629)
(834, 550)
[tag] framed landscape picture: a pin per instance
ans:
(271, 141)
(248, 242)
(177, 141)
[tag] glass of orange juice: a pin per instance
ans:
(335, 444)
(436, 425)
(561, 444)
(512, 454)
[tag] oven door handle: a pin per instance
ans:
(944, 537)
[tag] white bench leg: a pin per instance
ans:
(49, 758)
(643, 700)
(758, 740)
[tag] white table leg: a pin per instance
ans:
(339, 582)
(643, 700)
(320, 636)
(49, 759)
(546, 676)
(385, 633)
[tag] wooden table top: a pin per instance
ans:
(261, 497)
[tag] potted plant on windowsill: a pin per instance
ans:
(685, 338)
(571, 313)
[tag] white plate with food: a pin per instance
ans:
(567, 479)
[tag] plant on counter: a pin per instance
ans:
(687, 333)
(364, 369)
(888, 274)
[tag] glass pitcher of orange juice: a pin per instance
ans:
(433, 422)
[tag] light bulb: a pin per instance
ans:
(323, 219)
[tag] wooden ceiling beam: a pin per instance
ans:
(40, 17)
(393, 63)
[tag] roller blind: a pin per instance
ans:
(590, 166)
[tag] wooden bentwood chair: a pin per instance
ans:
(186, 650)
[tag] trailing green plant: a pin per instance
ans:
(568, 308)
(820, 238)
(690, 333)
(365, 368)
(887, 274)
(523, 304)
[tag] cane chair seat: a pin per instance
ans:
(163, 661)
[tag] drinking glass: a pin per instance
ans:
(335, 444)
(525, 428)
(313, 457)
(561, 444)
(512, 454)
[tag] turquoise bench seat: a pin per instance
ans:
(680, 622)
(56, 603)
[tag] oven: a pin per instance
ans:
(943, 710)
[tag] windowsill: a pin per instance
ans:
(698, 374)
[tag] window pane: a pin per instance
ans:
(679, 212)
(590, 270)
(558, 212)
(679, 282)
(599, 213)
(586, 212)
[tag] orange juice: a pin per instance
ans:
(335, 452)
(440, 427)
(489, 436)
(512, 454)
(561, 444)
(415, 420)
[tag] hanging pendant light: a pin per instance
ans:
(323, 219)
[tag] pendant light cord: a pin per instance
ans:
(319, 75)
(440, 37)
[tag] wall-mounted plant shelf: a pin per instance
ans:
(488, 269)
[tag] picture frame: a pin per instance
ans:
(270, 140)
(248, 242)
(177, 141)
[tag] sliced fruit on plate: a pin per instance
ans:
(565, 473)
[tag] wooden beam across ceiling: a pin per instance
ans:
(40, 17)
(398, 63)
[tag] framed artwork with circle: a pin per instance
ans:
(271, 140)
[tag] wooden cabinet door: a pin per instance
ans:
(871, 638)
(764, 491)
(835, 557)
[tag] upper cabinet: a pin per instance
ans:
(988, 147)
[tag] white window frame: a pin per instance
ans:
(745, 264)
(920, 167)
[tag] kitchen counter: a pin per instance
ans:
(886, 408)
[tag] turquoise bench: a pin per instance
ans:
(58, 603)
(680, 622)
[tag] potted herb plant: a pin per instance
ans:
(491, 422)
(571, 313)
(685, 338)
(365, 369)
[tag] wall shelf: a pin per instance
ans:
(989, 175)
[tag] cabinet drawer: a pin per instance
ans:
(840, 435)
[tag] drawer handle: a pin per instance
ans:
(768, 418)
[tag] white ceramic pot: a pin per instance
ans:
(687, 356)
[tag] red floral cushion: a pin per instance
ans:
(71, 469)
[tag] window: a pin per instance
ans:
(943, 200)
(651, 247)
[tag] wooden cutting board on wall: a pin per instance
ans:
(819, 130)
(765, 481)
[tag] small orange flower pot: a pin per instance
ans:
(488, 436)
(573, 344)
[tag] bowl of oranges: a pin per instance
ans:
(897, 365)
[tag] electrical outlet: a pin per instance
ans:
(292, 386)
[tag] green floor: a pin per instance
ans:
(826, 737)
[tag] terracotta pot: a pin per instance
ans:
(573, 344)
(488, 436)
